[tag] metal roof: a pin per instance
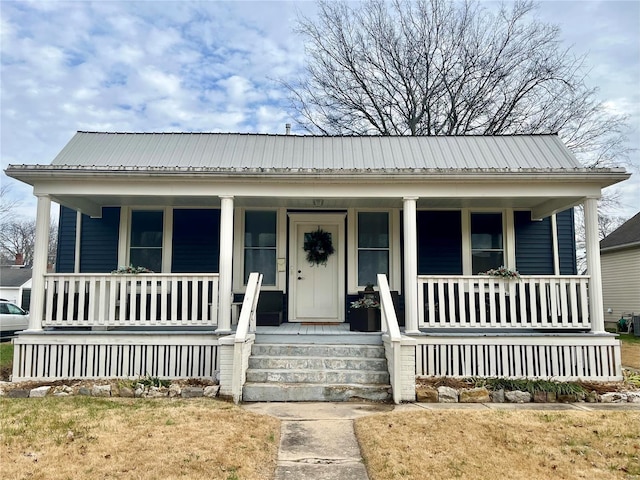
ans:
(232, 151)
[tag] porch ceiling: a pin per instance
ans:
(541, 206)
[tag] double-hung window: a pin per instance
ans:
(145, 248)
(373, 246)
(260, 245)
(487, 244)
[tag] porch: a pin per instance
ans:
(173, 334)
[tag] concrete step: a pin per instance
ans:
(312, 392)
(347, 338)
(317, 376)
(283, 350)
(317, 363)
(295, 372)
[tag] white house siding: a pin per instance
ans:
(621, 282)
(12, 294)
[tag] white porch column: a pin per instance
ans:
(410, 265)
(225, 264)
(592, 242)
(40, 257)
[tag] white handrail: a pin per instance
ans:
(247, 320)
(246, 325)
(390, 326)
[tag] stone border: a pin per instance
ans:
(442, 394)
(119, 388)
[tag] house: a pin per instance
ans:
(15, 284)
(620, 257)
(224, 220)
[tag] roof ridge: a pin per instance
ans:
(258, 134)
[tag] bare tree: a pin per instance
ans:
(18, 237)
(7, 204)
(436, 67)
(607, 224)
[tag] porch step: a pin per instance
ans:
(304, 362)
(316, 376)
(280, 372)
(337, 338)
(313, 392)
(317, 350)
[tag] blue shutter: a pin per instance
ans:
(439, 243)
(534, 245)
(567, 242)
(66, 252)
(99, 242)
(196, 241)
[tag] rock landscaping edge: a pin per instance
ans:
(428, 390)
(110, 388)
(442, 394)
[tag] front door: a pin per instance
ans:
(317, 291)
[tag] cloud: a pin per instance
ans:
(207, 66)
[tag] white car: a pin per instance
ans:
(12, 318)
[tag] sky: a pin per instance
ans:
(211, 66)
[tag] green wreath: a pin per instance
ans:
(318, 247)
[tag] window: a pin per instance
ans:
(145, 248)
(260, 245)
(373, 246)
(487, 246)
(11, 309)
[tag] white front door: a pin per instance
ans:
(316, 291)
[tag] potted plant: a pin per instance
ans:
(502, 272)
(364, 314)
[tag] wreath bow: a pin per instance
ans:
(318, 246)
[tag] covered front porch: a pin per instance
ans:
(149, 300)
(180, 325)
(393, 210)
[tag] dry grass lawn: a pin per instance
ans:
(501, 444)
(630, 351)
(82, 437)
(631, 356)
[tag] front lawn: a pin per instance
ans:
(490, 444)
(630, 351)
(629, 338)
(85, 437)
(6, 360)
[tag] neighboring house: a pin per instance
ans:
(203, 211)
(15, 285)
(620, 258)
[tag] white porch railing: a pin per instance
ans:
(391, 328)
(145, 300)
(558, 302)
(245, 335)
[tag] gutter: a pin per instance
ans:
(624, 246)
(37, 172)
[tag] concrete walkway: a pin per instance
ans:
(317, 440)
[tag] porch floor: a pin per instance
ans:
(295, 332)
(297, 328)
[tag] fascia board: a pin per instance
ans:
(24, 172)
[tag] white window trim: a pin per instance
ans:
(508, 236)
(238, 248)
(124, 241)
(395, 268)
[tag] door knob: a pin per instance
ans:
(300, 278)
